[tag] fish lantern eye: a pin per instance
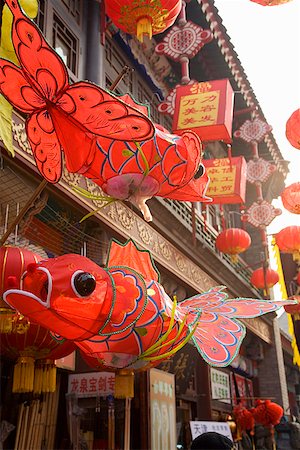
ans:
(199, 172)
(84, 284)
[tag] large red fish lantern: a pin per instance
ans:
(264, 278)
(121, 317)
(102, 137)
(143, 17)
(293, 129)
(288, 241)
(233, 241)
(291, 198)
(13, 261)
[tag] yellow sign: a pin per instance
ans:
(198, 110)
(222, 180)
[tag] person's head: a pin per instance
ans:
(212, 441)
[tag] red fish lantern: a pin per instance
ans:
(294, 310)
(293, 129)
(144, 17)
(288, 241)
(13, 261)
(233, 241)
(291, 198)
(264, 278)
(270, 2)
(121, 317)
(98, 133)
(205, 108)
(267, 413)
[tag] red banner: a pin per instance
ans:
(245, 390)
(227, 179)
(205, 108)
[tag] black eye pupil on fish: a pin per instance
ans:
(84, 284)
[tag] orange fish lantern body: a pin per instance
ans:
(143, 17)
(121, 316)
(102, 137)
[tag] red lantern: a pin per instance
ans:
(288, 241)
(143, 17)
(270, 2)
(291, 198)
(263, 279)
(292, 131)
(294, 309)
(267, 413)
(244, 418)
(233, 241)
(13, 261)
(30, 342)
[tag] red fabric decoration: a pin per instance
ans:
(121, 316)
(146, 17)
(291, 198)
(288, 241)
(98, 132)
(233, 241)
(258, 279)
(244, 418)
(267, 413)
(293, 129)
(293, 309)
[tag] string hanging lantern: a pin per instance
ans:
(292, 130)
(233, 241)
(288, 241)
(264, 278)
(291, 198)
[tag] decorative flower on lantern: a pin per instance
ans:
(233, 241)
(291, 198)
(288, 241)
(292, 131)
(143, 17)
(264, 278)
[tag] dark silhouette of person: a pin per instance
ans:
(212, 441)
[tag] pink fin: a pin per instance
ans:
(130, 255)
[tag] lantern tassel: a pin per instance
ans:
(45, 377)
(6, 320)
(23, 375)
(144, 27)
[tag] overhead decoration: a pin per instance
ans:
(264, 278)
(291, 198)
(98, 132)
(292, 131)
(206, 108)
(260, 214)
(13, 261)
(233, 241)
(227, 179)
(271, 2)
(259, 170)
(253, 130)
(143, 17)
(121, 317)
(167, 106)
(288, 241)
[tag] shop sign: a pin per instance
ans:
(198, 428)
(220, 386)
(162, 410)
(92, 384)
(245, 389)
(227, 179)
(205, 108)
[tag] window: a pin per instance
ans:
(65, 43)
(74, 8)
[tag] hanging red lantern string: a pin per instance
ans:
(288, 241)
(292, 131)
(233, 241)
(264, 278)
(144, 17)
(291, 198)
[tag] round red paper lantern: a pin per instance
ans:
(258, 279)
(244, 418)
(145, 17)
(267, 413)
(293, 309)
(288, 241)
(292, 130)
(13, 262)
(233, 241)
(291, 198)
(270, 2)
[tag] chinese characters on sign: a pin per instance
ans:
(205, 108)
(227, 180)
(94, 384)
(220, 386)
(162, 410)
(198, 428)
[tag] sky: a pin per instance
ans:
(267, 42)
